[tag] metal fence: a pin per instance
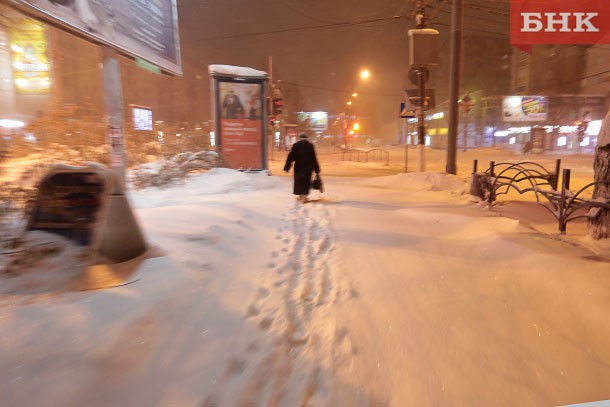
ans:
(564, 204)
(376, 155)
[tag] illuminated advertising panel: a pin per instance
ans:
(144, 28)
(239, 109)
(241, 125)
(317, 120)
(30, 61)
(524, 108)
(142, 118)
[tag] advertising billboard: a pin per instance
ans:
(30, 60)
(142, 118)
(142, 28)
(318, 121)
(525, 108)
(240, 110)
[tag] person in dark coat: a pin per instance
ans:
(303, 154)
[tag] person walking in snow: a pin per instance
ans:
(303, 154)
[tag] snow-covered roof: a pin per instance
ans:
(230, 70)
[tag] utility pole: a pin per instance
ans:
(457, 13)
(420, 23)
(423, 54)
(421, 122)
(270, 124)
(113, 98)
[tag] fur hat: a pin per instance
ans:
(302, 136)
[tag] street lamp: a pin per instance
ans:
(349, 126)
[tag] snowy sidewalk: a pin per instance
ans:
(458, 306)
(391, 291)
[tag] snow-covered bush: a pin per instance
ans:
(174, 169)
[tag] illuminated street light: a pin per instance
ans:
(355, 94)
(356, 126)
(349, 103)
(364, 74)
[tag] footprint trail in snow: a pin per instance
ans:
(293, 310)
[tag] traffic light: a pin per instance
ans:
(277, 102)
(278, 105)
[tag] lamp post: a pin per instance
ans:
(349, 130)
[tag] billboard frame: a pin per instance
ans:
(220, 77)
(167, 66)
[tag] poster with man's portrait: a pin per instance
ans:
(240, 110)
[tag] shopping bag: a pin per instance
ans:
(317, 183)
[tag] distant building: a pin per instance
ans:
(43, 67)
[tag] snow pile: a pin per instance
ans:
(421, 181)
(217, 181)
(232, 70)
(172, 170)
(41, 262)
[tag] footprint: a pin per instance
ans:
(263, 292)
(252, 347)
(235, 367)
(210, 401)
(253, 310)
(266, 322)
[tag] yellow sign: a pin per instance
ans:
(31, 67)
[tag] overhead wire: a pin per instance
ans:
(306, 14)
(296, 29)
(337, 90)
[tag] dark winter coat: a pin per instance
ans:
(303, 154)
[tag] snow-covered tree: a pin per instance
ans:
(599, 227)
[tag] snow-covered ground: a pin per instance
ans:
(391, 289)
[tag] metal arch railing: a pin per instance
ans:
(563, 204)
(512, 175)
(567, 206)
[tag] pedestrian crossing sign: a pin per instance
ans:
(405, 113)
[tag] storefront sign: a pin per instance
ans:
(318, 121)
(142, 118)
(524, 108)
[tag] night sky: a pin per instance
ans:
(324, 62)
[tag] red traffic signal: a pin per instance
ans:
(278, 106)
